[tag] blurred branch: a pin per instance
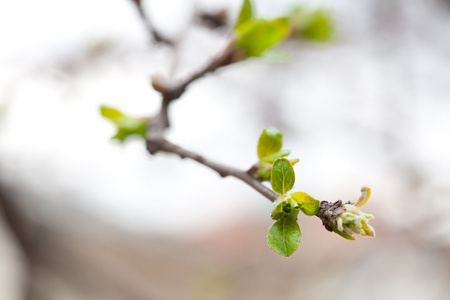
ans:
(169, 92)
(214, 20)
(18, 224)
(24, 234)
(157, 36)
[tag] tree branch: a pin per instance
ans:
(149, 26)
(164, 145)
(328, 211)
(26, 235)
(172, 92)
(156, 141)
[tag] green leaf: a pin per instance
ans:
(308, 205)
(313, 25)
(265, 164)
(277, 208)
(272, 157)
(293, 207)
(110, 113)
(246, 13)
(257, 35)
(283, 176)
(284, 237)
(264, 171)
(126, 125)
(294, 161)
(270, 142)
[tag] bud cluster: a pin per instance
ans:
(347, 219)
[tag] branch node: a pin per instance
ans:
(329, 211)
(154, 145)
(150, 28)
(253, 170)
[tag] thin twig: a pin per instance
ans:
(172, 92)
(164, 145)
(327, 212)
(157, 36)
(155, 133)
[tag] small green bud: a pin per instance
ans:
(285, 207)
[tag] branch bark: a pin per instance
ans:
(328, 211)
(164, 145)
(155, 34)
(172, 92)
(24, 231)
(156, 128)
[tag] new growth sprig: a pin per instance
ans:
(269, 149)
(252, 37)
(347, 219)
(285, 234)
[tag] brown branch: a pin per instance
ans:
(172, 92)
(328, 211)
(163, 145)
(149, 26)
(25, 233)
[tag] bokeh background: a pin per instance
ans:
(102, 220)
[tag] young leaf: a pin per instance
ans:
(315, 25)
(284, 236)
(294, 209)
(277, 208)
(308, 205)
(264, 171)
(110, 113)
(270, 142)
(246, 13)
(283, 176)
(257, 35)
(272, 157)
(265, 164)
(126, 125)
(294, 161)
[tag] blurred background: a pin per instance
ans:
(84, 217)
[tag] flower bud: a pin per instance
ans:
(352, 220)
